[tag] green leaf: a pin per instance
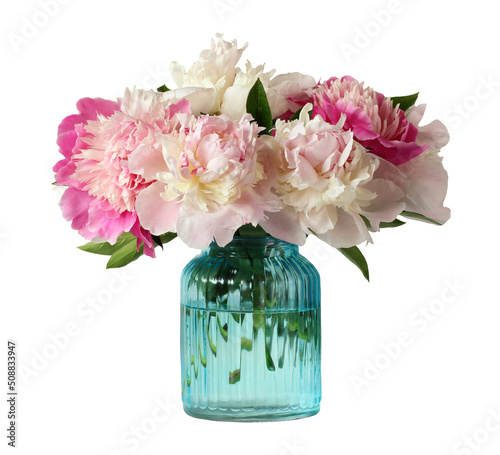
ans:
(105, 248)
(251, 230)
(269, 359)
(193, 363)
(391, 224)
(125, 255)
(169, 236)
(98, 248)
(160, 240)
(202, 358)
(234, 376)
(258, 106)
(157, 241)
(405, 102)
(357, 258)
(418, 216)
(222, 328)
(124, 251)
(163, 88)
(246, 344)
(213, 348)
(296, 116)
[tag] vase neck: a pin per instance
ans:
(254, 246)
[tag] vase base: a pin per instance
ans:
(255, 415)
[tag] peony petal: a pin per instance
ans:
(318, 221)
(68, 123)
(143, 237)
(75, 205)
(66, 142)
(251, 206)
(89, 108)
(289, 92)
(387, 205)
(441, 214)
(110, 224)
(155, 214)
(350, 230)
(147, 161)
(415, 114)
(177, 71)
(198, 229)
(396, 152)
(435, 135)
(201, 99)
(427, 186)
(285, 225)
(234, 102)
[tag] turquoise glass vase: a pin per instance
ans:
(251, 332)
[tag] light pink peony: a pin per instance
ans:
(427, 186)
(100, 200)
(383, 129)
(209, 179)
(435, 135)
(327, 181)
(426, 179)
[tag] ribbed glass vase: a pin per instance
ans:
(250, 332)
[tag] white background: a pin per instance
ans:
(121, 365)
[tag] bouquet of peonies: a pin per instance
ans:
(233, 152)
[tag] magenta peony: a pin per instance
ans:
(96, 144)
(377, 125)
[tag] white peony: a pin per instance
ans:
(215, 70)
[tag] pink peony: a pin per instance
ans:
(326, 181)
(377, 125)
(96, 144)
(209, 179)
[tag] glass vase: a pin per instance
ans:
(251, 332)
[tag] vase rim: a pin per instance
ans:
(264, 243)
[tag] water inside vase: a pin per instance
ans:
(247, 361)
